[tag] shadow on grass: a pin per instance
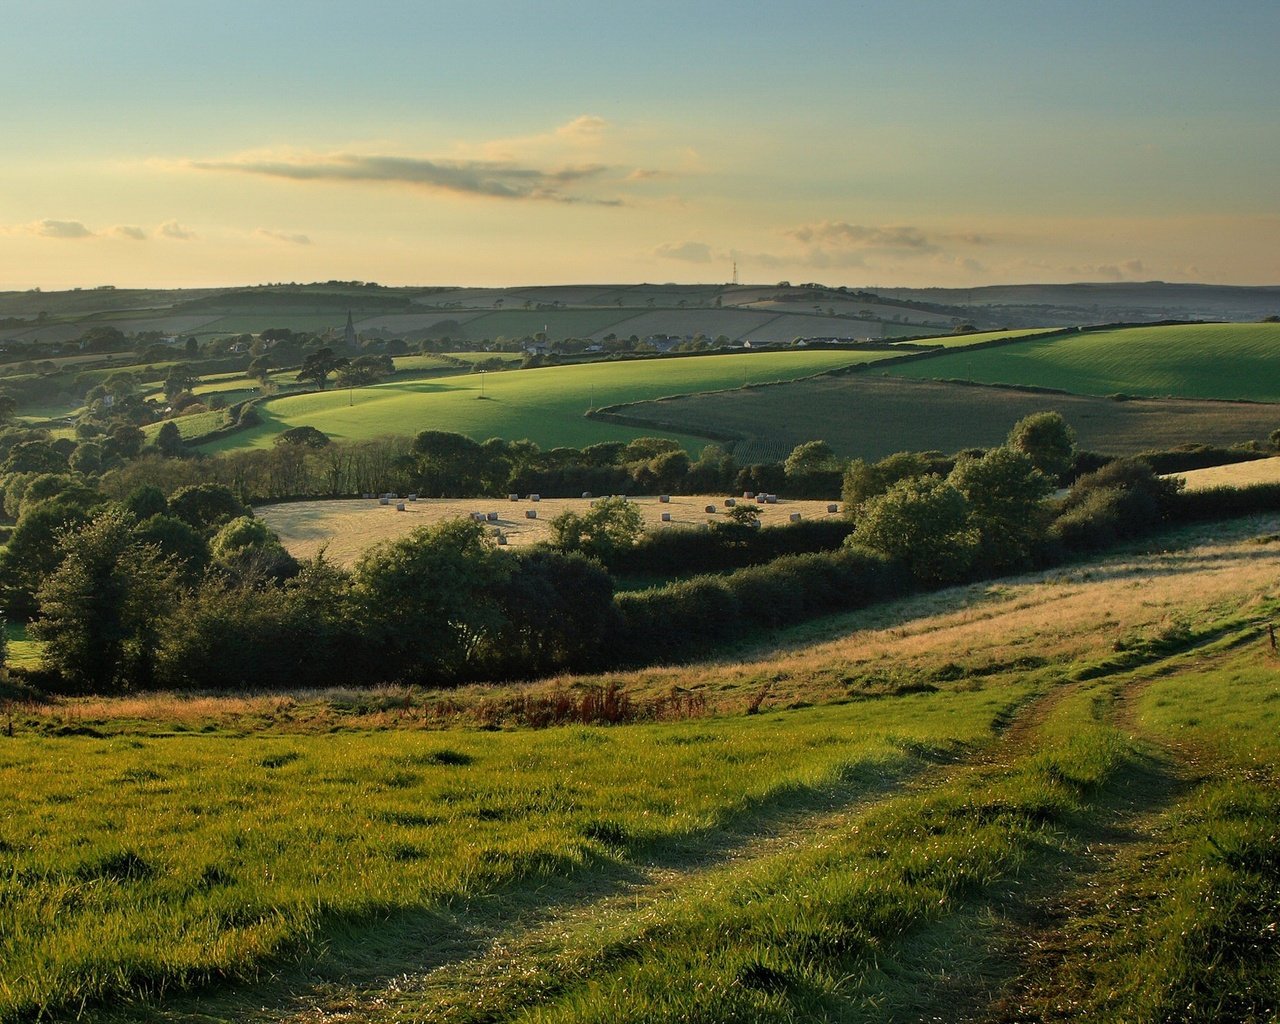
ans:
(368, 951)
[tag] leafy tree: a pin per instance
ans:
(205, 506)
(103, 339)
(428, 601)
(86, 459)
(146, 501)
(33, 457)
(33, 553)
(250, 550)
(863, 480)
(1006, 496)
(1048, 440)
(100, 608)
(1125, 498)
(447, 463)
(126, 441)
(169, 441)
(610, 525)
(922, 522)
(810, 458)
(365, 370)
(303, 437)
(183, 546)
(318, 366)
(178, 380)
(643, 448)
(8, 409)
(558, 615)
(260, 368)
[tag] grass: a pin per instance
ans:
(870, 415)
(952, 341)
(23, 652)
(197, 424)
(138, 864)
(1224, 361)
(729, 867)
(345, 529)
(1241, 474)
(543, 405)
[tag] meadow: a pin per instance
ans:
(545, 405)
(869, 817)
(950, 341)
(854, 412)
(346, 529)
(1224, 361)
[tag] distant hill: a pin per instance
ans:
(1063, 305)
(762, 314)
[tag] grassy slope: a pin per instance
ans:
(1229, 361)
(545, 405)
(951, 341)
(869, 415)
(231, 832)
(201, 856)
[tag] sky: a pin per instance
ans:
(878, 143)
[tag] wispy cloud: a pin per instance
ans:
(585, 126)
(690, 252)
(483, 178)
(136, 234)
(843, 235)
(61, 229)
(283, 236)
(172, 229)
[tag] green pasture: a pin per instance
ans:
(561, 323)
(252, 323)
(871, 415)
(195, 425)
(1226, 361)
(144, 863)
(545, 405)
(982, 337)
(23, 652)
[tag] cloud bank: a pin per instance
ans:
(484, 178)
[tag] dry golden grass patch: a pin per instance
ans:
(1241, 474)
(983, 631)
(345, 529)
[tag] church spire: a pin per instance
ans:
(349, 335)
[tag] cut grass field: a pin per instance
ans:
(1225, 361)
(951, 341)
(545, 405)
(1240, 474)
(346, 529)
(870, 415)
(980, 756)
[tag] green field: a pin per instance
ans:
(544, 405)
(1228, 361)
(869, 415)
(931, 794)
(981, 337)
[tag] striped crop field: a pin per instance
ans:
(1227, 361)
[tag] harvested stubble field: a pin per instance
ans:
(998, 770)
(1240, 474)
(346, 529)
